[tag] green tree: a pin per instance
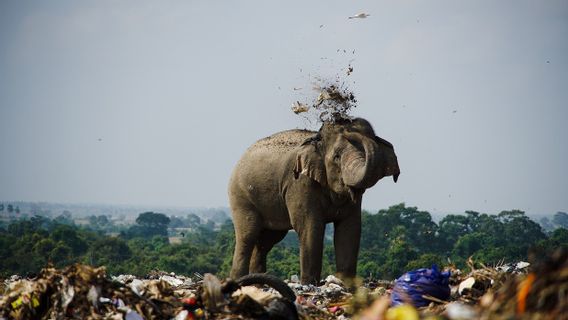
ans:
(63, 219)
(561, 219)
(399, 254)
(103, 220)
(153, 220)
(520, 233)
(149, 224)
(451, 228)
(546, 224)
(225, 245)
(193, 221)
(468, 244)
(109, 252)
(10, 208)
(69, 236)
(61, 255)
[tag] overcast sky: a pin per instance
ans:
(153, 102)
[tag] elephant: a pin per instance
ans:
(303, 180)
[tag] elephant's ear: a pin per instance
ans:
(380, 140)
(310, 163)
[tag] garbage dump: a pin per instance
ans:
(529, 290)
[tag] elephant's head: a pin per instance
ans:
(347, 157)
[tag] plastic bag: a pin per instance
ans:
(412, 286)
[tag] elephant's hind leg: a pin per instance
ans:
(267, 240)
(247, 231)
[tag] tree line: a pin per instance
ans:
(393, 241)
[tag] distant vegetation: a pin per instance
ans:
(393, 241)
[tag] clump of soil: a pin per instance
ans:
(331, 99)
(334, 103)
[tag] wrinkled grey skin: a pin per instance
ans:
(302, 180)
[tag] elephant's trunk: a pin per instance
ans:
(360, 167)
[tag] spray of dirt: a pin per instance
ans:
(333, 99)
(334, 103)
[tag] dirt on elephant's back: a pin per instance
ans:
(283, 141)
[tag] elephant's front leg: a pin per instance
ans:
(347, 235)
(311, 235)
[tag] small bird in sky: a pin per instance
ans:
(361, 15)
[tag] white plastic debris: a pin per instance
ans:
(182, 315)
(295, 279)
(333, 279)
(137, 286)
(67, 293)
(332, 289)
(466, 284)
(123, 278)
(93, 295)
(171, 280)
(522, 265)
(259, 295)
(105, 300)
(459, 311)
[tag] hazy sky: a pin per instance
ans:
(153, 102)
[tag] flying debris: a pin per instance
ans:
(299, 107)
(361, 15)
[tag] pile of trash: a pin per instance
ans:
(84, 292)
(522, 291)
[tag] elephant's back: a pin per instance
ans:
(281, 142)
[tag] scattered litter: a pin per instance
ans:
(334, 280)
(519, 267)
(523, 290)
(80, 291)
(466, 284)
(295, 279)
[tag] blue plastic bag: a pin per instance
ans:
(411, 286)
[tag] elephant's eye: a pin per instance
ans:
(336, 157)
